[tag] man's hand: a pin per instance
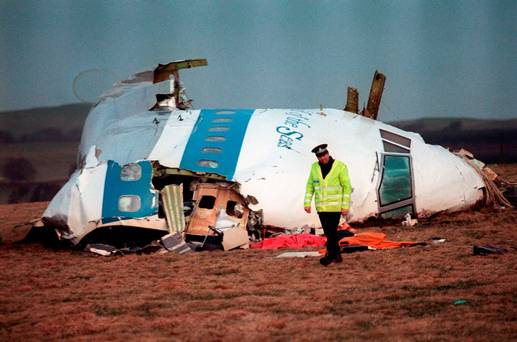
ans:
(307, 209)
(344, 212)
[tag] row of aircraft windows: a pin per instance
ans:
(214, 164)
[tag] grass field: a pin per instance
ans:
(436, 292)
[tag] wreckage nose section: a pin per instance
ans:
(444, 181)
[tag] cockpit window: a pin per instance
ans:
(396, 183)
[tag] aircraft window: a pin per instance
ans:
(223, 112)
(131, 172)
(212, 150)
(396, 180)
(220, 120)
(398, 213)
(230, 208)
(208, 163)
(215, 138)
(129, 203)
(207, 202)
(219, 129)
(389, 147)
(398, 139)
(234, 209)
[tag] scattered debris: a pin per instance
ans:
(437, 240)
(100, 249)
(488, 249)
(151, 248)
(510, 192)
(298, 254)
(255, 225)
(494, 197)
(235, 238)
(175, 243)
(408, 221)
(356, 248)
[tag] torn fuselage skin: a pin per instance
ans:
(132, 198)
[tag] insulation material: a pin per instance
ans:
(172, 198)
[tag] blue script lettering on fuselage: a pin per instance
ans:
(290, 130)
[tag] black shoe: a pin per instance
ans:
(325, 261)
(338, 259)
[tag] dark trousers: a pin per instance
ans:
(329, 222)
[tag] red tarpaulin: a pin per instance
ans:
(291, 241)
(371, 239)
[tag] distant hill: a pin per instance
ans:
(49, 137)
(63, 123)
(491, 141)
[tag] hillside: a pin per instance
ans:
(43, 124)
(49, 137)
(492, 141)
(437, 292)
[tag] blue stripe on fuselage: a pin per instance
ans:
(216, 140)
(115, 188)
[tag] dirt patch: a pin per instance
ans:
(401, 294)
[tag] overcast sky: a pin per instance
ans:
(441, 58)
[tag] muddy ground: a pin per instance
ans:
(436, 292)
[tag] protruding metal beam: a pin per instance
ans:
(374, 99)
(163, 71)
(352, 100)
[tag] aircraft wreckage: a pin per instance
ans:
(148, 160)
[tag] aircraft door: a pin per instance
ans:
(395, 192)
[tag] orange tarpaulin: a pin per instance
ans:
(370, 239)
(375, 240)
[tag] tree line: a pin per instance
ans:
(42, 135)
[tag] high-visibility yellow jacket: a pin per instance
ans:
(332, 193)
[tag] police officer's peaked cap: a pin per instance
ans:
(320, 149)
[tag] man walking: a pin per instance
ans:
(330, 184)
